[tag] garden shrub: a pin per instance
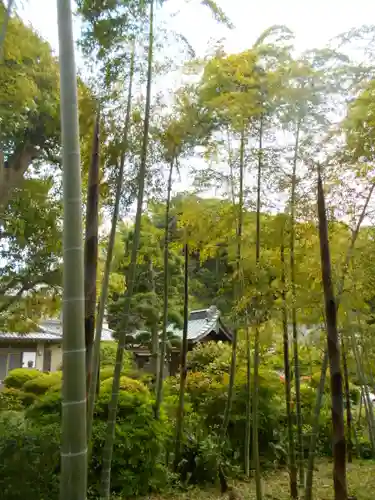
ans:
(201, 452)
(46, 409)
(126, 384)
(139, 453)
(106, 373)
(19, 376)
(108, 352)
(14, 399)
(43, 383)
(203, 355)
(29, 460)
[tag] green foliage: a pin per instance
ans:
(138, 463)
(126, 384)
(209, 356)
(43, 383)
(106, 372)
(147, 303)
(108, 355)
(18, 377)
(29, 459)
(12, 399)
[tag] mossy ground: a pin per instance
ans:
(361, 482)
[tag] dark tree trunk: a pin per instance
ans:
(237, 292)
(339, 446)
(183, 367)
(91, 248)
(159, 389)
(347, 398)
(315, 428)
(297, 375)
(288, 398)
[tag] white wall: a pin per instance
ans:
(56, 357)
(39, 356)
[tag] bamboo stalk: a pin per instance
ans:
(95, 358)
(159, 387)
(339, 445)
(315, 428)
(111, 424)
(73, 482)
(91, 249)
(297, 375)
(288, 398)
(183, 366)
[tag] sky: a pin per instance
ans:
(314, 23)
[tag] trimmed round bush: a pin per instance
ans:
(19, 376)
(126, 384)
(46, 409)
(12, 399)
(106, 372)
(43, 383)
(138, 466)
(139, 452)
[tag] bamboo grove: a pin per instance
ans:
(274, 226)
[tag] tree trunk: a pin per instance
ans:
(91, 249)
(154, 334)
(108, 447)
(73, 481)
(340, 289)
(159, 390)
(315, 428)
(248, 402)
(288, 397)
(258, 483)
(367, 400)
(237, 293)
(95, 358)
(339, 447)
(297, 376)
(183, 367)
(347, 398)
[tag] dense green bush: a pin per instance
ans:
(108, 355)
(29, 459)
(210, 356)
(46, 409)
(126, 384)
(19, 376)
(14, 399)
(106, 372)
(139, 453)
(207, 394)
(43, 383)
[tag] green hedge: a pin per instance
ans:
(126, 384)
(106, 372)
(139, 452)
(19, 376)
(43, 383)
(29, 460)
(15, 400)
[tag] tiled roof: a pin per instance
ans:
(30, 337)
(201, 322)
(50, 330)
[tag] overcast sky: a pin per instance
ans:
(314, 22)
